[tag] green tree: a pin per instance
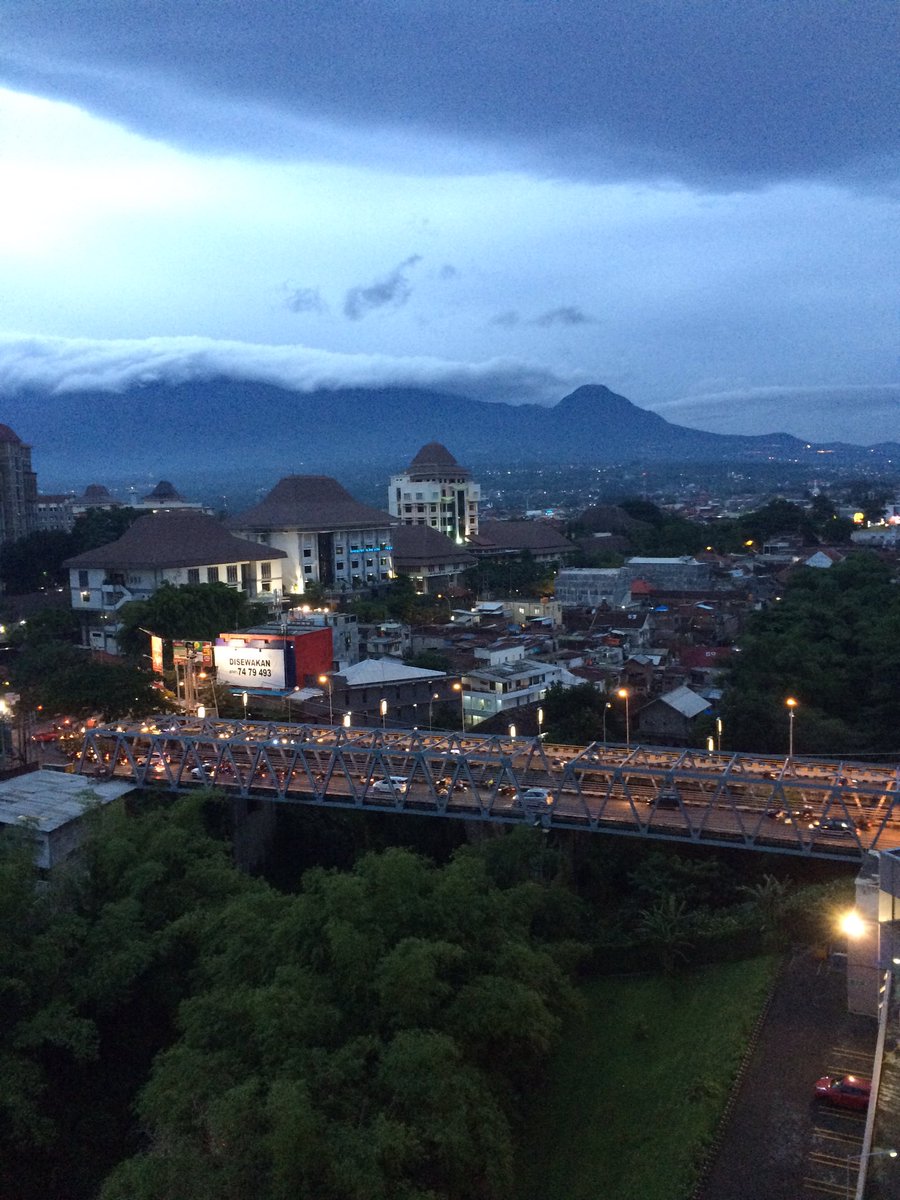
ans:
(667, 927)
(196, 611)
(62, 678)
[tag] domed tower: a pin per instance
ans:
(436, 491)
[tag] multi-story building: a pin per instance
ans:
(431, 559)
(326, 536)
(508, 680)
(436, 491)
(18, 487)
(168, 547)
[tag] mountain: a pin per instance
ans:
(226, 426)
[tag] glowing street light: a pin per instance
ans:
(791, 705)
(718, 733)
(325, 681)
(245, 698)
(512, 731)
(852, 924)
(606, 707)
(458, 687)
(346, 720)
(382, 708)
(540, 719)
(434, 696)
(623, 694)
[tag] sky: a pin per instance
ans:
(695, 204)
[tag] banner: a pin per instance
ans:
(156, 654)
(250, 666)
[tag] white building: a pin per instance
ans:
(169, 547)
(436, 491)
(508, 680)
(325, 535)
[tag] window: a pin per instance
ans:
(339, 566)
(85, 596)
(193, 574)
(82, 579)
(307, 552)
(265, 570)
(307, 569)
(369, 562)
(232, 574)
(212, 574)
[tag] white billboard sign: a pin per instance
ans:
(250, 666)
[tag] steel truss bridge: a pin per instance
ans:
(800, 806)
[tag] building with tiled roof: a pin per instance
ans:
(326, 535)
(169, 547)
(165, 497)
(407, 695)
(669, 719)
(539, 538)
(436, 492)
(18, 487)
(431, 559)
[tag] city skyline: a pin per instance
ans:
(693, 204)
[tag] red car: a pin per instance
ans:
(45, 735)
(846, 1091)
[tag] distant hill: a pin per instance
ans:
(222, 426)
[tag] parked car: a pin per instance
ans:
(46, 735)
(845, 1091)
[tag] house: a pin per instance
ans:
(325, 535)
(539, 538)
(385, 692)
(508, 680)
(823, 558)
(168, 547)
(435, 492)
(431, 559)
(669, 719)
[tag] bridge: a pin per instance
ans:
(802, 806)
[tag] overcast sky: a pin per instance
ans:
(695, 204)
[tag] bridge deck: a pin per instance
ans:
(802, 806)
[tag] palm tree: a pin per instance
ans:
(667, 927)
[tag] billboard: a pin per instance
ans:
(156, 653)
(250, 666)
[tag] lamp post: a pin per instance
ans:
(458, 687)
(289, 698)
(540, 719)
(434, 696)
(325, 681)
(791, 705)
(346, 720)
(245, 698)
(512, 731)
(606, 707)
(863, 1158)
(719, 734)
(623, 694)
(382, 708)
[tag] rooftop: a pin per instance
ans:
(435, 459)
(174, 539)
(373, 671)
(310, 502)
(420, 544)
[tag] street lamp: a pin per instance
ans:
(606, 707)
(245, 698)
(719, 733)
(512, 731)
(540, 717)
(791, 705)
(325, 681)
(346, 720)
(382, 708)
(434, 696)
(458, 687)
(622, 693)
(864, 1158)
(289, 698)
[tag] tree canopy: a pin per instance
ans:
(195, 611)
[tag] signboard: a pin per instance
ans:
(156, 653)
(250, 666)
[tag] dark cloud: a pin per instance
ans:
(393, 290)
(566, 315)
(717, 92)
(305, 300)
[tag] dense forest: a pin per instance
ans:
(176, 1029)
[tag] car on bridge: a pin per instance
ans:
(846, 1091)
(839, 826)
(394, 783)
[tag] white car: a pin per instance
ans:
(534, 797)
(394, 783)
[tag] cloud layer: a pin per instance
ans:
(79, 364)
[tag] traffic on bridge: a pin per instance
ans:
(793, 805)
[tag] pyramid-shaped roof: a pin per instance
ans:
(435, 459)
(174, 539)
(310, 502)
